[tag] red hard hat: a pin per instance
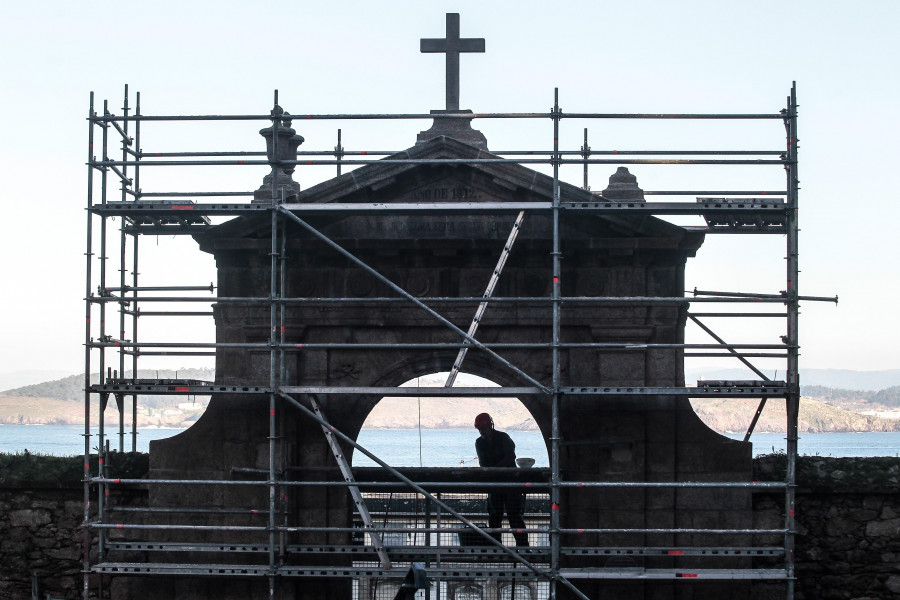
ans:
(483, 420)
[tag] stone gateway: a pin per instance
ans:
(380, 341)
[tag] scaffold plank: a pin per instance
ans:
(676, 574)
(456, 392)
(176, 389)
(770, 209)
(447, 573)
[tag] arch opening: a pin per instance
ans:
(439, 432)
(429, 431)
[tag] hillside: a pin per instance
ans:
(61, 402)
(71, 389)
(723, 415)
(734, 415)
(18, 410)
(834, 378)
(822, 409)
(456, 413)
(854, 399)
(720, 414)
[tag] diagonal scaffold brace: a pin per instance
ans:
(468, 338)
(437, 501)
(368, 524)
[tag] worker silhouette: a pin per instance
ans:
(496, 449)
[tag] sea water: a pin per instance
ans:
(68, 440)
(431, 447)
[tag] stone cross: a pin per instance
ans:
(452, 45)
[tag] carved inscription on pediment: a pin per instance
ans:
(454, 188)
(423, 227)
(444, 192)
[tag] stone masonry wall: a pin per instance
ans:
(850, 546)
(848, 526)
(848, 543)
(40, 532)
(41, 535)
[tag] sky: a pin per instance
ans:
(228, 57)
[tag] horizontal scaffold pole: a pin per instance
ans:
(519, 486)
(202, 154)
(303, 529)
(429, 345)
(749, 299)
(447, 115)
(101, 164)
(722, 193)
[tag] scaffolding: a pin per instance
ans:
(405, 517)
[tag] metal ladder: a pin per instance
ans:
(368, 525)
(488, 292)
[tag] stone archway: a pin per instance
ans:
(377, 342)
(355, 411)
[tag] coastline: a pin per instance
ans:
(720, 415)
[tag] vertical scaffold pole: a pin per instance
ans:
(273, 355)
(793, 310)
(104, 398)
(134, 269)
(282, 376)
(554, 439)
(123, 240)
(586, 154)
(339, 153)
(86, 532)
(273, 340)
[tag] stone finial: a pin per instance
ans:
(456, 127)
(623, 186)
(282, 142)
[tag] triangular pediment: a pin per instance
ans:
(446, 174)
(452, 180)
